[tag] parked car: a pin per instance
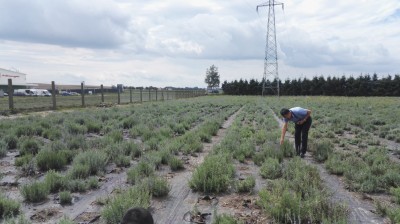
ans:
(74, 94)
(67, 93)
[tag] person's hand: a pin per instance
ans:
(301, 122)
(281, 142)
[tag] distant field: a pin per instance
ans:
(218, 156)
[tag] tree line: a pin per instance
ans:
(364, 85)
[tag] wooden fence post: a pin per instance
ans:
(149, 94)
(102, 93)
(83, 95)
(10, 95)
(53, 90)
(130, 94)
(119, 95)
(141, 95)
(156, 95)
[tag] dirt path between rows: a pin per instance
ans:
(361, 211)
(181, 198)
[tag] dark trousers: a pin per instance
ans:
(301, 135)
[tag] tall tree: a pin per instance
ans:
(212, 77)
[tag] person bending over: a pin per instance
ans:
(302, 119)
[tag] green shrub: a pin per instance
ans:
(157, 186)
(396, 193)
(77, 185)
(93, 127)
(48, 159)
(245, 150)
(17, 220)
(25, 130)
(271, 169)
(288, 149)
(93, 183)
(115, 209)
(65, 198)
(25, 159)
(122, 161)
(225, 219)
(35, 192)
(394, 215)
(130, 148)
(54, 181)
(246, 185)
(11, 141)
(52, 134)
(175, 163)
(76, 129)
(322, 149)
(141, 170)
(29, 146)
(204, 136)
(95, 160)
(116, 136)
(267, 151)
(66, 220)
(76, 142)
(3, 148)
(213, 175)
(335, 164)
(8, 207)
(129, 122)
(80, 171)
(300, 197)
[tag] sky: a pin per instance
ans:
(173, 42)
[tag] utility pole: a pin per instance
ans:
(271, 56)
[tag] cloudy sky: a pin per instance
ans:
(173, 42)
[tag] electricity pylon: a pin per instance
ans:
(271, 55)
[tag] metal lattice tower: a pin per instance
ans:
(271, 55)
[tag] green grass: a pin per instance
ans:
(300, 197)
(35, 192)
(396, 194)
(20, 219)
(225, 219)
(95, 160)
(115, 209)
(271, 169)
(175, 163)
(213, 175)
(246, 185)
(157, 186)
(55, 181)
(65, 198)
(29, 146)
(8, 207)
(322, 149)
(79, 171)
(141, 170)
(3, 148)
(48, 159)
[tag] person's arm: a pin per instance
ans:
(306, 117)
(284, 128)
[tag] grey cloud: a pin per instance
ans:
(301, 50)
(65, 23)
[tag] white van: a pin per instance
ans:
(40, 92)
(23, 92)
